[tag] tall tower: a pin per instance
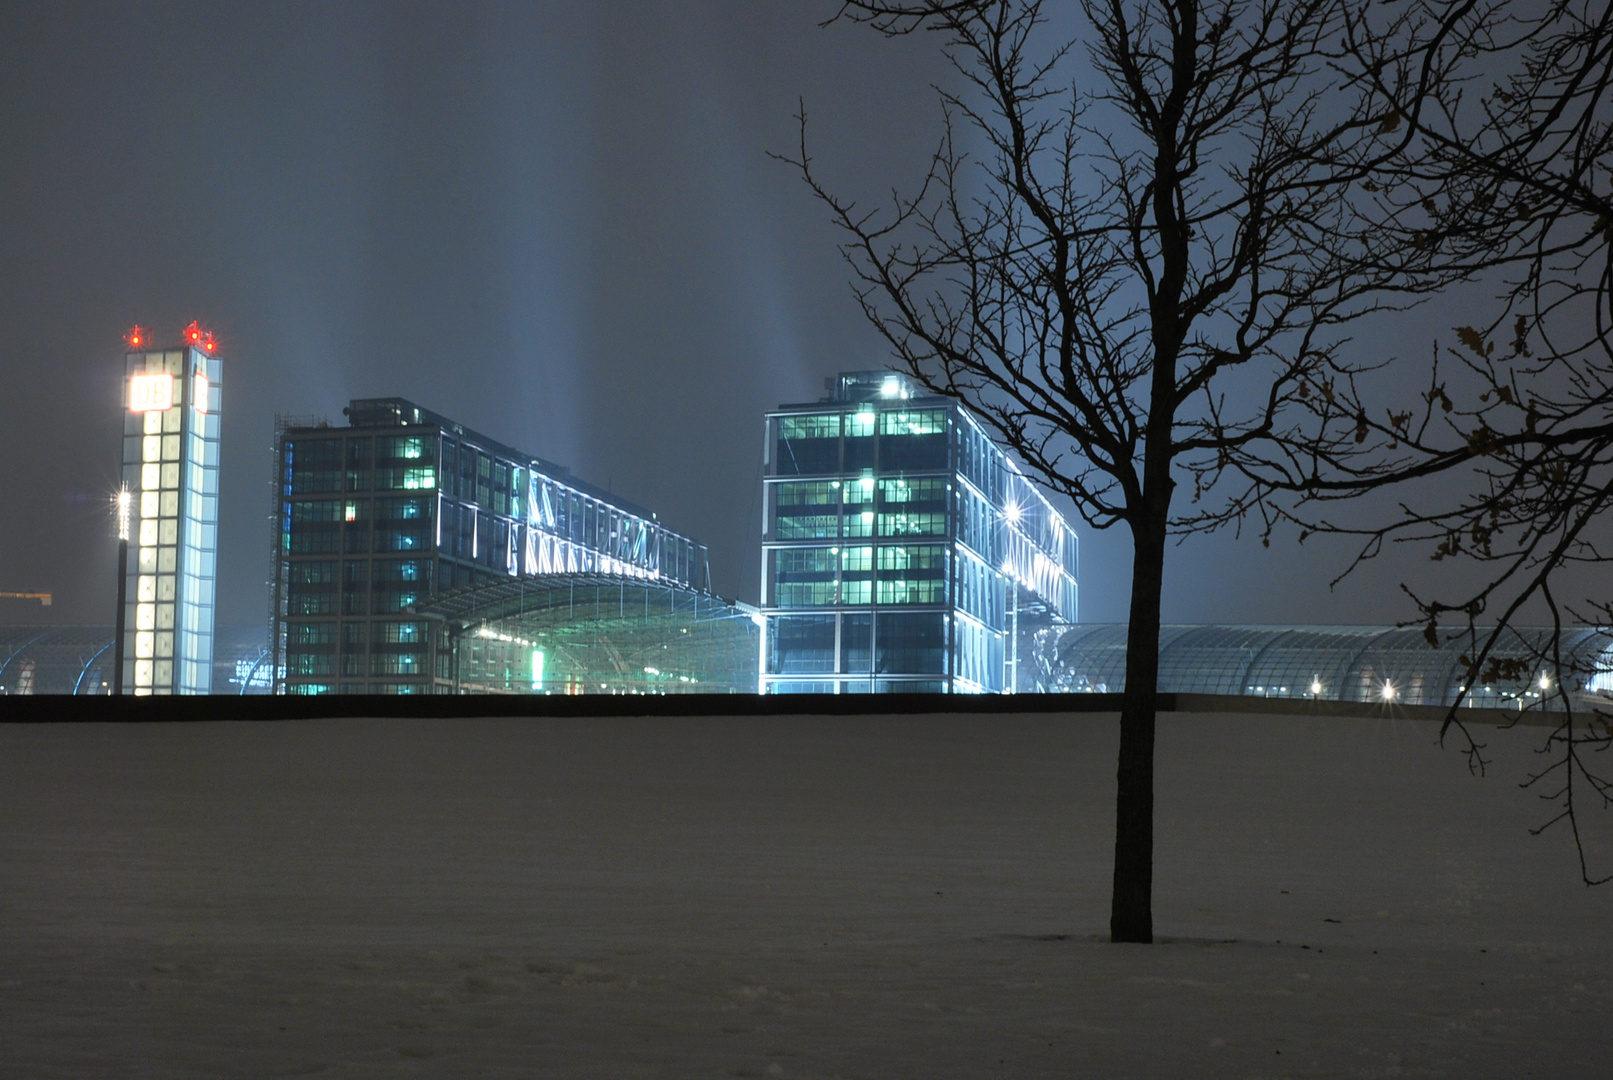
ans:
(170, 470)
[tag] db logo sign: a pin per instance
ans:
(151, 393)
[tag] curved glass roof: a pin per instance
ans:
(79, 660)
(55, 659)
(1339, 663)
(586, 633)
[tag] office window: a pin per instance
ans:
(912, 441)
(318, 633)
(300, 663)
(807, 511)
(387, 600)
(317, 510)
(403, 663)
(421, 478)
(928, 524)
(923, 489)
(801, 644)
(409, 509)
(407, 448)
(921, 422)
(856, 644)
(313, 573)
(912, 575)
(411, 570)
(400, 633)
(808, 444)
(910, 643)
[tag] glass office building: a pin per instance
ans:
(903, 551)
(403, 505)
(170, 475)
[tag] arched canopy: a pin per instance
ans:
(55, 659)
(580, 633)
(1340, 663)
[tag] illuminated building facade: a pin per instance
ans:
(170, 514)
(404, 505)
(903, 551)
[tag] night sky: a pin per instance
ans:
(555, 223)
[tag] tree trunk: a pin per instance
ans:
(1131, 915)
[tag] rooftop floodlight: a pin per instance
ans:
(891, 387)
(1388, 691)
(1545, 683)
(1013, 512)
(1316, 687)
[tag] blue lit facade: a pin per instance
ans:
(170, 473)
(404, 505)
(903, 551)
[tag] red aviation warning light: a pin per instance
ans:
(202, 339)
(136, 338)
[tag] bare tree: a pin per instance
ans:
(1508, 152)
(1137, 254)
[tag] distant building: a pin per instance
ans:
(170, 474)
(403, 505)
(903, 550)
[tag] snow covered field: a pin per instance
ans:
(880, 897)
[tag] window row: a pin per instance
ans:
(893, 643)
(858, 526)
(392, 663)
(907, 439)
(356, 634)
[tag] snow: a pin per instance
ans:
(876, 896)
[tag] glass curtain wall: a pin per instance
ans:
(902, 550)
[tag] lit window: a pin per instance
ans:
(923, 422)
(810, 427)
(856, 592)
(860, 525)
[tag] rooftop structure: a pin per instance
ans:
(405, 504)
(903, 550)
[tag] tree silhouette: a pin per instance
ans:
(1507, 156)
(1148, 284)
